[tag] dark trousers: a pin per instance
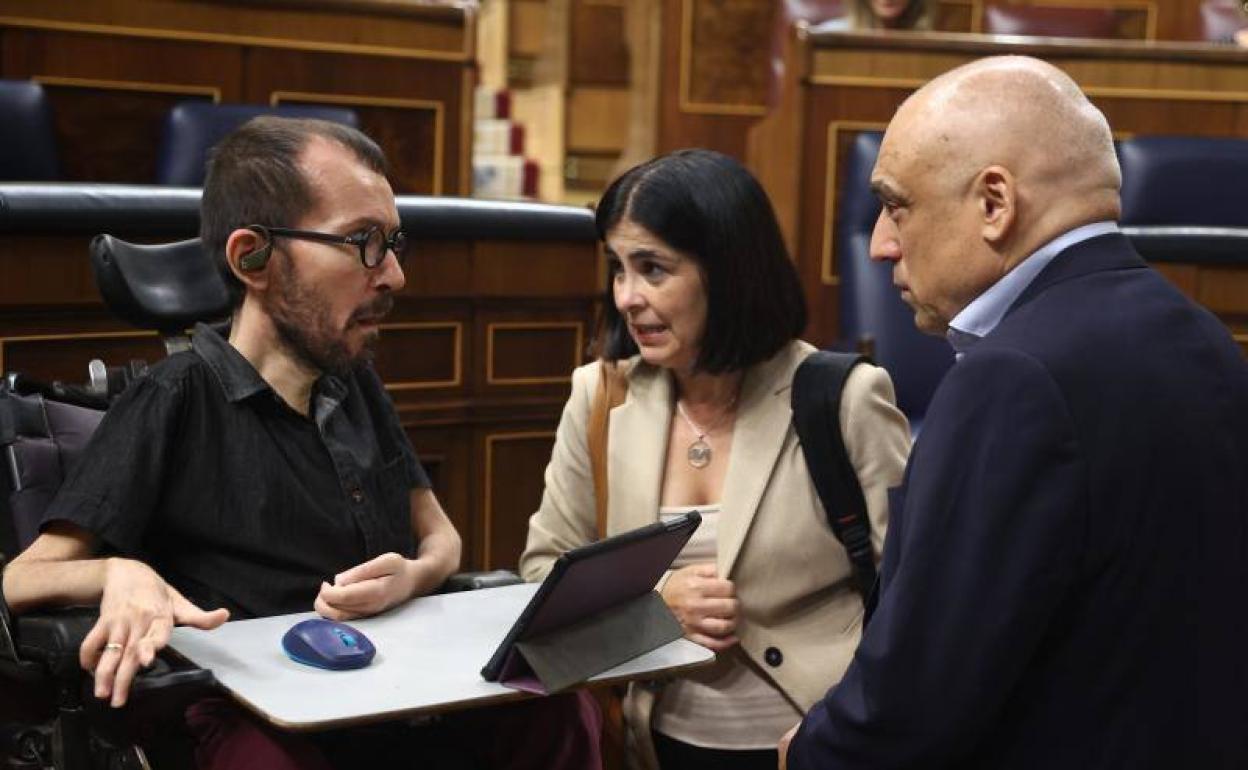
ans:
(678, 755)
(561, 731)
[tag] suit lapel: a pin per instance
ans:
(637, 449)
(763, 422)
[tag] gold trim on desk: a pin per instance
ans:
(828, 251)
(56, 81)
(490, 328)
(1105, 92)
(1168, 94)
(456, 380)
(6, 341)
(854, 81)
(438, 108)
(464, 55)
(686, 65)
(487, 497)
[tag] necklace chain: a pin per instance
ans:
(693, 426)
(699, 452)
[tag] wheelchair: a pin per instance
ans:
(43, 428)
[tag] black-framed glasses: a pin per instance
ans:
(373, 243)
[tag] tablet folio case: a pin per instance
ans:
(595, 610)
(558, 659)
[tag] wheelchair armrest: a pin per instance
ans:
(472, 581)
(50, 639)
(46, 644)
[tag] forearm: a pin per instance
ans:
(30, 583)
(437, 559)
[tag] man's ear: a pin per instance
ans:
(997, 194)
(247, 251)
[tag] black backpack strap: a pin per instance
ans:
(816, 402)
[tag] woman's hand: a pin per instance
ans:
(138, 611)
(705, 605)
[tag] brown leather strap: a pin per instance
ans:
(611, 392)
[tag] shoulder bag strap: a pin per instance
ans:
(611, 392)
(816, 401)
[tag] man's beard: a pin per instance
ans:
(302, 319)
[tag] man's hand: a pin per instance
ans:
(783, 748)
(705, 605)
(370, 588)
(138, 610)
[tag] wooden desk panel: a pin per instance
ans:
(713, 84)
(855, 81)
(113, 70)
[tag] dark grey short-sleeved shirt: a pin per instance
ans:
(202, 471)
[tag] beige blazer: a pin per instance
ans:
(792, 576)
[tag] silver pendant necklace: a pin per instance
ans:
(699, 452)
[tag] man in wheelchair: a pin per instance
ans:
(265, 472)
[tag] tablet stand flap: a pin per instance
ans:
(576, 652)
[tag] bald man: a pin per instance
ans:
(1065, 580)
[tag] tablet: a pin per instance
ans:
(596, 577)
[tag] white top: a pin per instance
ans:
(731, 705)
(430, 652)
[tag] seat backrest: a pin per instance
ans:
(1184, 180)
(194, 127)
(27, 140)
(40, 440)
(1050, 22)
(871, 308)
(1221, 19)
(167, 287)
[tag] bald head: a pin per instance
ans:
(978, 170)
(1027, 117)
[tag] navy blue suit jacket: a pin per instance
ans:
(1065, 578)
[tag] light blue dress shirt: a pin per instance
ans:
(980, 317)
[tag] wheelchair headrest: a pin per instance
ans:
(165, 287)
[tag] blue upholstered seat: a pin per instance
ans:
(27, 141)
(871, 308)
(193, 127)
(1185, 198)
(1184, 180)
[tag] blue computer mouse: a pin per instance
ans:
(328, 644)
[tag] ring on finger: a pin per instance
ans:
(113, 647)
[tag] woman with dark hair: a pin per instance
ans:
(702, 316)
(885, 14)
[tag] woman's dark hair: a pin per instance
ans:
(707, 205)
(254, 178)
(918, 15)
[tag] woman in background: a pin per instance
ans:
(885, 14)
(702, 316)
